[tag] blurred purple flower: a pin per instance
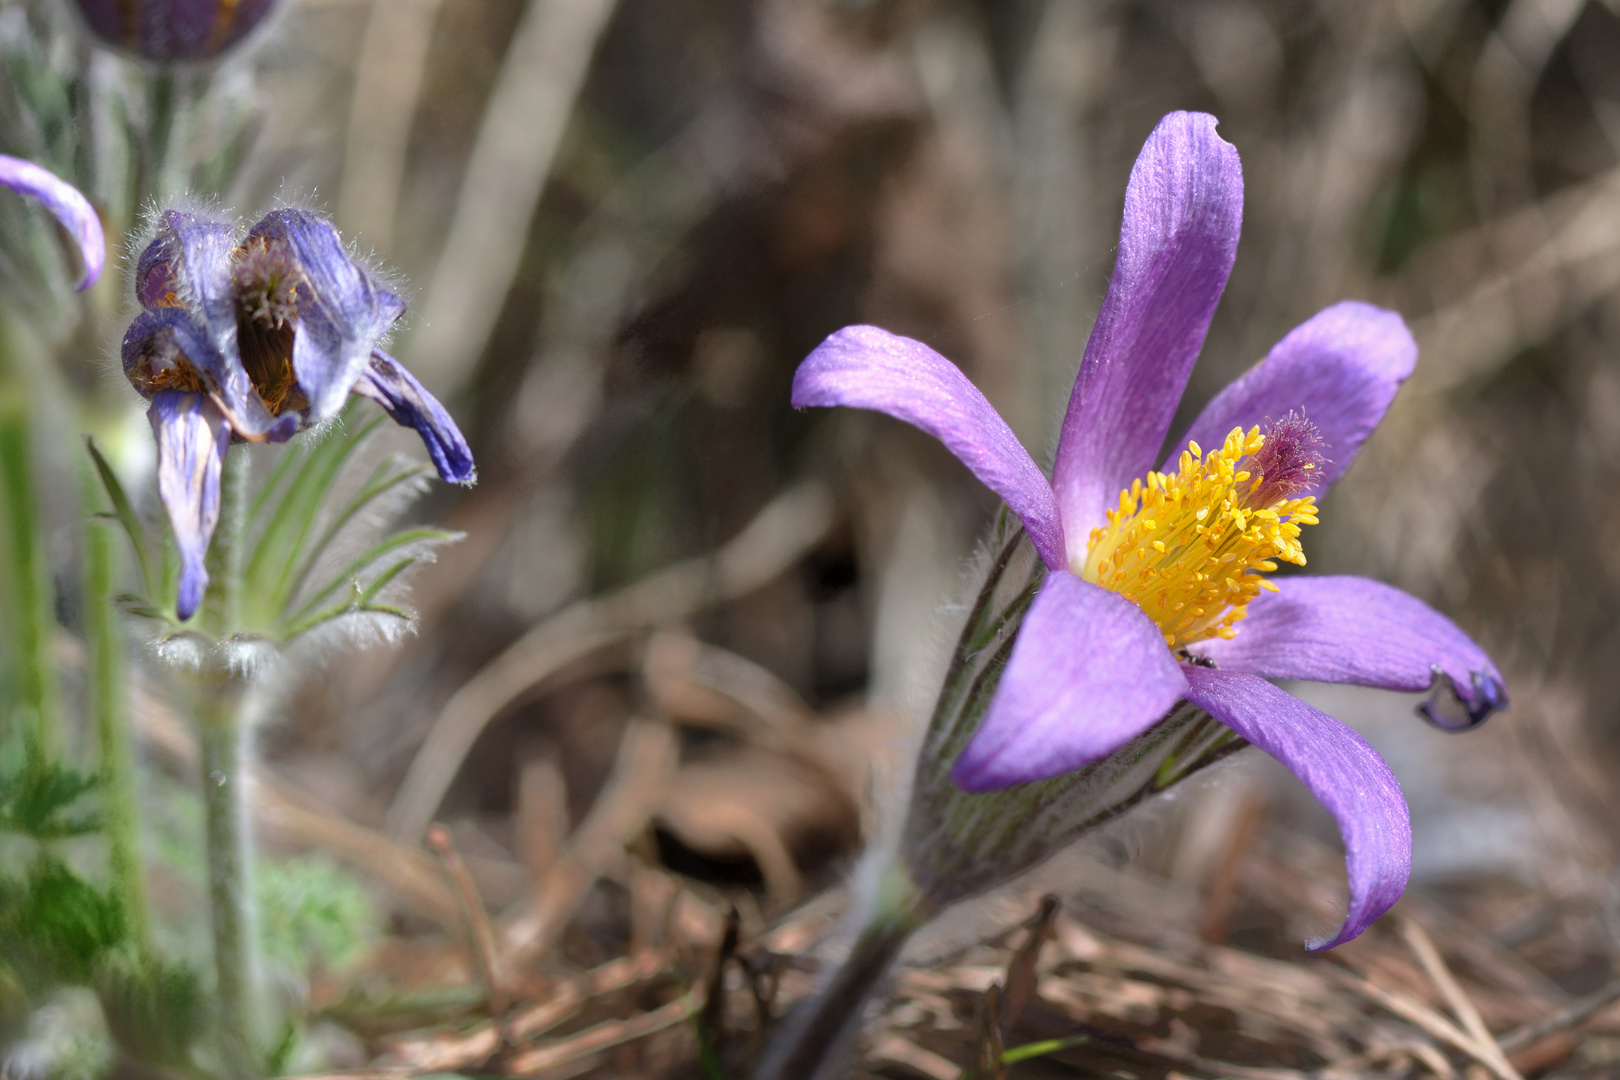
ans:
(1150, 572)
(68, 206)
(169, 30)
(256, 337)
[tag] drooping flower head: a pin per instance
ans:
(253, 337)
(1155, 588)
(67, 205)
(174, 30)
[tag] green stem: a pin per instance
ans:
(107, 688)
(222, 602)
(235, 964)
(33, 609)
(218, 712)
(817, 1037)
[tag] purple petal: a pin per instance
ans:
(1345, 774)
(1088, 673)
(1354, 630)
(1341, 368)
(169, 30)
(863, 367)
(1183, 210)
(408, 402)
(67, 205)
(342, 313)
(192, 437)
(167, 337)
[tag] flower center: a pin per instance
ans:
(266, 281)
(1189, 547)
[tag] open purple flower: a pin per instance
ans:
(1154, 589)
(254, 337)
(67, 205)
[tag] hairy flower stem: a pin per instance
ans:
(107, 690)
(218, 698)
(28, 578)
(819, 1034)
(955, 845)
(218, 712)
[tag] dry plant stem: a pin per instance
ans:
(1462, 1007)
(481, 936)
(648, 755)
(388, 83)
(1561, 1020)
(775, 539)
(523, 125)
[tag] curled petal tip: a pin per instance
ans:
(1449, 709)
(67, 205)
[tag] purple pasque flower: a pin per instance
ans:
(253, 337)
(67, 205)
(1154, 589)
(170, 30)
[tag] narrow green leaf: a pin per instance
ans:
(124, 511)
(380, 484)
(268, 577)
(1014, 1055)
(376, 553)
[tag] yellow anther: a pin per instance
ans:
(1190, 547)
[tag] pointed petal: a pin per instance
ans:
(342, 313)
(1341, 368)
(192, 437)
(1183, 209)
(1088, 673)
(1345, 774)
(408, 402)
(67, 205)
(1355, 630)
(164, 338)
(863, 367)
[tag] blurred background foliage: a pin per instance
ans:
(690, 624)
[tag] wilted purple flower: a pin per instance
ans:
(256, 336)
(69, 207)
(1150, 572)
(169, 30)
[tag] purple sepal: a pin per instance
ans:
(1355, 630)
(1340, 368)
(192, 436)
(342, 312)
(170, 30)
(863, 367)
(67, 205)
(1183, 211)
(1344, 773)
(160, 338)
(1088, 673)
(386, 382)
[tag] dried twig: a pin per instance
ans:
(1562, 1019)
(647, 758)
(775, 539)
(387, 84)
(1417, 939)
(528, 110)
(605, 1036)
(1419, 1014)
(480, 935)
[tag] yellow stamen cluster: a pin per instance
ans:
(1188, 548)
